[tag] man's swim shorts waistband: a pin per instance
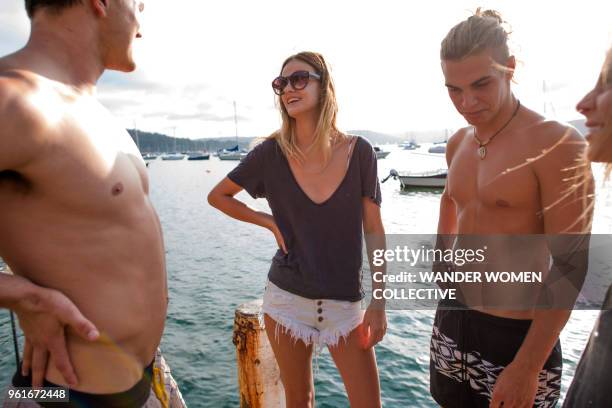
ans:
(134, 397)
(452, 304)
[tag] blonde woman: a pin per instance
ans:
(323, 190)
(588, 388)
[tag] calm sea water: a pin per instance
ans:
(216, 263)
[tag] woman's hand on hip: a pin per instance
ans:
(270, 224)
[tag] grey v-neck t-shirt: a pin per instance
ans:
(324, 240)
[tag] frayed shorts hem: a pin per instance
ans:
(318, 322)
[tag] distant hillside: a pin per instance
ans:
(160, 143)
(429, 136)
(419, 136)
(376, 137)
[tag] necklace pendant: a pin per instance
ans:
(482, 152)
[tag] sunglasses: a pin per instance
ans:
(298, 81)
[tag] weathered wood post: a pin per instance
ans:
(258, 375)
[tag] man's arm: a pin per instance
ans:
(12, 290)
(566, 187)
(565, 182)
(447, 221)
(22, 125)
(44, 314)
(222, 197)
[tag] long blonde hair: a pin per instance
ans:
(588, 187)
(328, 109)
(606, 79)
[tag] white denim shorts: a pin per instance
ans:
(314, 321)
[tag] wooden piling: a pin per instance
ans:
(258, 375)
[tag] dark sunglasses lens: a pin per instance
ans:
(299, 79)
(279, 85)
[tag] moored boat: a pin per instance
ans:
(235, 153)
(173, 156)
(428, 179)
(380, 154)
(198, 156)
(409, 145)
(438, 148)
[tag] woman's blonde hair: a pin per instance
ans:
(606, 80)
(483, 30)
(328, 110)
(588, 187)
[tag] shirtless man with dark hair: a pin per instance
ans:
(78, 229)
(511, 173)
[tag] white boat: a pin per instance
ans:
(428, 179)
(234, 153)
(149, 156)
(438, 148)
(198, 156)
(380, 154)
(173, 156)
(409, 145)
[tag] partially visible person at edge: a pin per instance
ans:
(323, 190)
(507, 176)
(78, 229)
(590, 386)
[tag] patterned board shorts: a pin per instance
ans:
(469, 350)
(164, 390)
(314, 321)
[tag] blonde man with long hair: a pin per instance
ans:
(588, 388)
(510, 174)
(323, 190)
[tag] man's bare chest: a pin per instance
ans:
(88, 163)
(503, 179)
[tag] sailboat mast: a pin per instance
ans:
(136, 134)
(174, 137)
(236, 121)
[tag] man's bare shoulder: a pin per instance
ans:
(22, 116)
(458, 136)
(541, 130)
(557, 143)
(551, 134)
(552, 130)
(454, 141)
(17, 90)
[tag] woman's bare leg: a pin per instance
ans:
(295, 363)
(358, 370)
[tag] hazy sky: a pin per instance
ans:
(197, 57)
